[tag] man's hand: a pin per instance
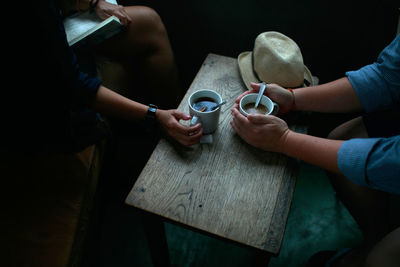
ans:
(266, 132)
(105, 10)
(169, 121)
(278, 94)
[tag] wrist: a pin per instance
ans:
(286, 137)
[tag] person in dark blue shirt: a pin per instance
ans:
(55, 106)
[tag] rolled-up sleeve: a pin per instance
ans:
(378, 85)
(372, 162)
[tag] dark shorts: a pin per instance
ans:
(382, 123)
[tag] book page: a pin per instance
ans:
(80, 25)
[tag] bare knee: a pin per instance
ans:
(145, 20)
(386, 252)
(354, 128)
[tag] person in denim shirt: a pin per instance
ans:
(362, 156)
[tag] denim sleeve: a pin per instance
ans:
(372, 162)
(378, 85)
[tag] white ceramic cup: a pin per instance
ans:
(272, 107)
(209, 119)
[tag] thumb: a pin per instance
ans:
(255, 86)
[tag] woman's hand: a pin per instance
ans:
(266, 132)
(104, 10)
(283, 97)
(169, 121)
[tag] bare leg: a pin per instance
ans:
(143, 46)
(369, 207)
(386, 252)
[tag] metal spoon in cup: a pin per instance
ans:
(260, 93)
(218, 105)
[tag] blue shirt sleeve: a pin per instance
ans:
(372, 162)
(375, 162)
(378, 85)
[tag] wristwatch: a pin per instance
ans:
(151, 113)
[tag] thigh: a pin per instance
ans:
(138, 38)
(369, 207)
(354, 128)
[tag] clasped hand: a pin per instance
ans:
(266, 132)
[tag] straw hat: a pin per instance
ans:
(275, 59)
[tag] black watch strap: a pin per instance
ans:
(151, 113)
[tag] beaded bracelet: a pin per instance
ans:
(294, 99)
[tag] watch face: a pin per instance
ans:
(151, 112)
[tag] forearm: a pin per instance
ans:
(314, 150)
(337, 96)
(110, 103)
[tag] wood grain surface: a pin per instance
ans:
(227, 188)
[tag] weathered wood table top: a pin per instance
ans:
(227, 188)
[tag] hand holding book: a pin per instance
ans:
(106, 9)
(89, 28)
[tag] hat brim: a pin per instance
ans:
(244, 61)
(246, 69)
(307, 76)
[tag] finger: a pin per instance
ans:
(235, 106)
(265, 119)
(184, 130)
(259, 118)
(193, 129)
(237, 123)
(241, 95)
(128, 18)
(181, 115)
(191, 139)
(237, 127)
(122, 18)
(239, 116)
(103, 15)
(255, 86)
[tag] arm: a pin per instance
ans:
(370, 162)
(336, 96)
(113, 104)
(321, 152)
(270, 133)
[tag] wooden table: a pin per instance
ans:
(228, 188)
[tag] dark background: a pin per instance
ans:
(334, 36)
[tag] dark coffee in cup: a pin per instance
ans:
(204, 104)
(250, 108)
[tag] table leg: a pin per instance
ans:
(157, 240)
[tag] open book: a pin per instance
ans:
(88, 28)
